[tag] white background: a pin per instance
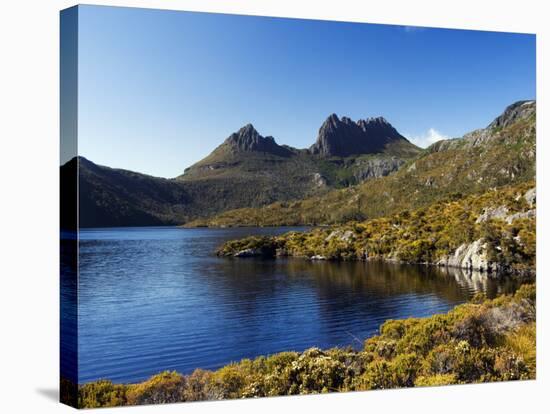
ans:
(29, 121)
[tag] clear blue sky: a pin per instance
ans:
(159, 90)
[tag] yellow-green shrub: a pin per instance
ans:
(166, 387)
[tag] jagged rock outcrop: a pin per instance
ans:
(344, 137)
(522, 215)
(376, 167)
(518, 111)
(513, 113)
(500, 212)
(248, 139)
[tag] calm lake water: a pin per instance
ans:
(157, 298)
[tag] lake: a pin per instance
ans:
(157, 298)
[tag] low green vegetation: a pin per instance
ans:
(502, 220)
(481, 341)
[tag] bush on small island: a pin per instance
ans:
(481, 341)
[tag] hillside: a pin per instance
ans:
(114, 197)
(246, 170)
(491, 232)
(501, 154)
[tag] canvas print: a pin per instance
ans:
(256, 206)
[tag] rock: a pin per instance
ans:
(248, 139)
(525, 215)
(345, 236)
(513, 113)
(471, 256)
(375, 168)
(500, 212)
(249, 253)
(531, 196)
(319, 181)
(344, 137)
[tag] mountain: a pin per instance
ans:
(247, 139)
(247, 154)
(114, 197)
(344, 137)
(503, 153)
(246, 170)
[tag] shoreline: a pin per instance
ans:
(480, 341)
(493, 270)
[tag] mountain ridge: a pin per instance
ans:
(503, 153)
(345, 137)
(248, 139)
(245, 170)
(248, 173)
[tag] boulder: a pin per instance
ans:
(345, 236)
(472, 257)
(249, 253)
(500, 212)
(531, 196)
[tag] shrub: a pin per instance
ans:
(435, 380)
(197, 389)
(522, 343)
(227, 382)
(166, 387)
(102, 393)
(316, 372)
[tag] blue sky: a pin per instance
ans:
(159, 90)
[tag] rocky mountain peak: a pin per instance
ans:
(344, 137)
(247, 132)
(380, 128)
(347, 120)
(513, 113)
(248, 139)
(379, 120)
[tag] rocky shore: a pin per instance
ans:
(492, 233)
